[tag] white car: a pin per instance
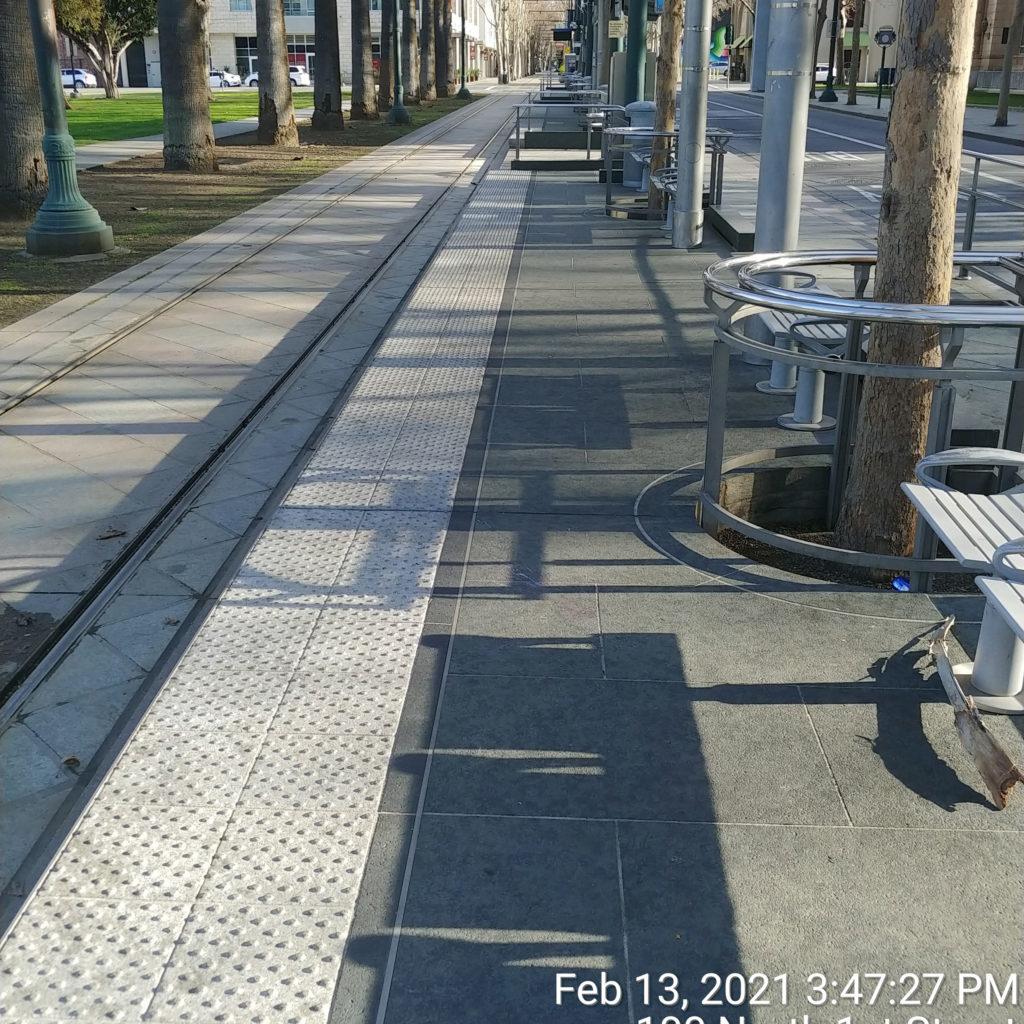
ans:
(223, 79)
(821, 72)
(77, 78)
(298, 76)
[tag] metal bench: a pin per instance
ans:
(984, 533)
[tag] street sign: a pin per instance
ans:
(885, 36)
(617, 29)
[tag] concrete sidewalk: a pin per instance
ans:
(483, 707)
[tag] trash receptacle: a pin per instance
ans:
(639, 114)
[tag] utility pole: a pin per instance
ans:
(463, 93)
(759, 53)
(66, 224)
(688, 213)
(398, 113)
(636, 51)
(784, 128)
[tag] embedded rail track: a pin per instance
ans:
(95, 597)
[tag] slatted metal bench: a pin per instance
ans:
(984, 533)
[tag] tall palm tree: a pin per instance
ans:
(386, 72)
(443, 47)
(277, 112)
(364, 98)
(410, 52)
(22, 167)
(185, 82)
(428, 88)
(327, 115)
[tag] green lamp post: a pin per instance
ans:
(463, 93)
(66, 224)
(398, 113)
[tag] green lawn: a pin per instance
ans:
(97, 119)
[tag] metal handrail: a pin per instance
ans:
(747, 267)
(736, 290)
(604, 108)
(974, 192)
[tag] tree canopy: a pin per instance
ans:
(104, 29)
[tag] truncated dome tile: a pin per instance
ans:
(200, 769)
(253, 963)
(91, 959)
(271, 855)
(138, 852)
(338, 773)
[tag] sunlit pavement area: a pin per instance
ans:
(482, 713)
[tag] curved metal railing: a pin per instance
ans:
(743, 290)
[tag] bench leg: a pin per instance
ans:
(809, 402)
(997, 676)
(782, 380)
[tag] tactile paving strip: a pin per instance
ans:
(246, 800)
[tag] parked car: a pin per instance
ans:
(821, 72)
(77, 78)
(298, 76)
(223, 79)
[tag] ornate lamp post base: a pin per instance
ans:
(463, 93)
(66, 224)
(398, 114)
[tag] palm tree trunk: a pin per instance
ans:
(22, 167)
(386, 76)
(916, 227)
(428, 87)
(442, 47)
(364, 96)
(667, 71)
(327, 115)
(858, 22)
(185, 83)
(410, 52)
(277, 112)
(819, 25)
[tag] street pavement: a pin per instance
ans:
(476, 712)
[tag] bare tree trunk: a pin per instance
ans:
(327, 115)
(915, 264)
(819, 24)
(1012, 49)
(22, 166)
(428, 86)
(838, 68)
(858, 22)
(386, 75)
(410, 52)
(443, 47)
(108, 62)
(185, 84)
(364, 95)
(277, 113)
(667, 71)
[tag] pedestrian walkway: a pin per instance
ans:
(483, 714)
(96, 154)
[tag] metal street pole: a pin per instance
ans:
(828, 94)
(463, 93)
(688, 213)
(66, 224)
(398, 113)
(759, 53)
(780, 179)
(636, 52)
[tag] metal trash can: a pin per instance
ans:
(639, 114)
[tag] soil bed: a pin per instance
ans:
(151, 210)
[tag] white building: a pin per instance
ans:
(233, 36)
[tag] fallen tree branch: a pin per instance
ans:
(997, 770)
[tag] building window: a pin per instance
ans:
(374, 5)
(240, 5)
(302, 8)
